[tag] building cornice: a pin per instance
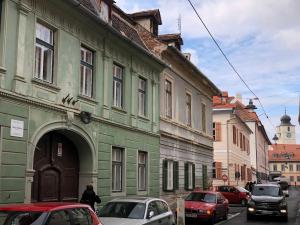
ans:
(65, 109)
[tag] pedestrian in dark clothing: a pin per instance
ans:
(90, 197)
(247, 186)
(250, 186)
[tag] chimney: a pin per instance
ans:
(239, 97)
(187, 56)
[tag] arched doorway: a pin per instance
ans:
(56, 165)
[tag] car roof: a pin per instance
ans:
(136, 199)
(41, 207)
(266, 185)
(206, 192)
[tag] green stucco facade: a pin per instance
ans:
(39, 104)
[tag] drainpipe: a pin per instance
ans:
(227, 131)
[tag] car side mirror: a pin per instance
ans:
(151, 214)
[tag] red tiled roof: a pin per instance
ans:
(171, 37)
(284, 152)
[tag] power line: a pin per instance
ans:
(230, 64)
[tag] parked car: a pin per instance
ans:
(267, 199)
(235, 195)
(205, 206)
(136, 211)
(48, 213)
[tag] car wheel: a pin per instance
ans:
(284, 218)
(243, 202)
(212, 219)
(250, 217)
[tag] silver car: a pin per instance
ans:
(136, 211)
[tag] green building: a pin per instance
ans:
(79, 102)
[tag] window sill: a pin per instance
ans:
(87, 99)
(48, 86)
(142, 193)
(119, 109)
(143, 118)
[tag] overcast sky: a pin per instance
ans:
(261, 39)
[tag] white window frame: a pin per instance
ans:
(118, 79)
(45, 43)
(190, 176)
(188, 109)
(204, 117)
(142, 97)
(170, 183)
(86, 85)
(117, 164)
(142, 168)
(168, 102)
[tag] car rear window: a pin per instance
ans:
(21, 218)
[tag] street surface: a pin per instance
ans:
(237, 214)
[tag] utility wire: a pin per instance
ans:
(230, 64)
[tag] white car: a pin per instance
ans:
(136, 211)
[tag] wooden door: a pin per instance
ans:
(56, 166)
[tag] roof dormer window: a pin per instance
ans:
(104, 9)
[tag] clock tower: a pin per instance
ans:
(286, 131)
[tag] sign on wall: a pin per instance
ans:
(16, 128)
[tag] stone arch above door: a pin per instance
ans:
(86, 152)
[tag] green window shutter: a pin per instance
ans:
(175, 176)
(165, 175)
(186, 176)
(204, 176)
(193, 176)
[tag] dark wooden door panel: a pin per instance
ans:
(57, 168)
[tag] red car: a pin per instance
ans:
(48, 213)
(205, 206)
(235, 195)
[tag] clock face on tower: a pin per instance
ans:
(288, 135)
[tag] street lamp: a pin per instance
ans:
(275, 138)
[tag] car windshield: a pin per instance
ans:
(266, 191)
(201, 197)
(132, 210)
(241, 189)
(20, 218)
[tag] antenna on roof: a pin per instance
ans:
(179, 23)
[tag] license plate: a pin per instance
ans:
(264, 212)
(191, 215)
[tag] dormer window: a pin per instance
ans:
(104, 8)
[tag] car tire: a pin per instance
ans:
(243, 202)
(212, 219)
(250, 217)
(285, 218)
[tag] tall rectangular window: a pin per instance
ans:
(142, 171)
(170, 175)
(282, 167)
(203, 107)
(298, 167)
(188, 109)
(217, 131)
(233, 134)
(291, 178)
(118, 86)
(168, 98)
(117, 169)
(44, 48)
(274, 167)
(86, 72)
(291, 167)
(189, 176)
(142, 96)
